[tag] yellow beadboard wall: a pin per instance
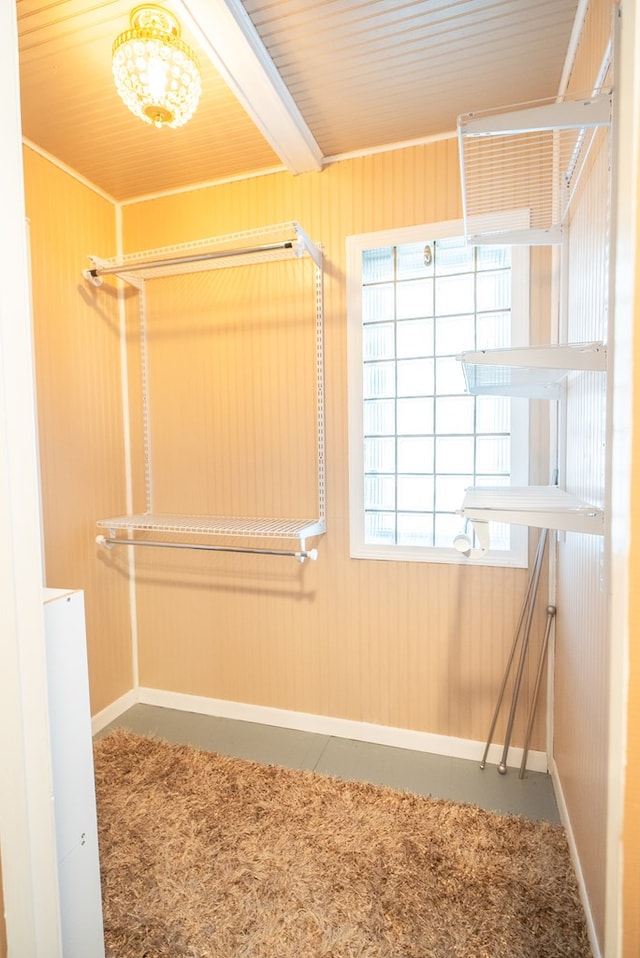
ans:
(3, 926)
(419, 646)
(581, 672)
(413, 645)
(631, 832)
(593, 44)
(231, 367)
(79, 394)
(631, 823)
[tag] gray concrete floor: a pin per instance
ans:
(455, 779)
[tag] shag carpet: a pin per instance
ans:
(206, 856)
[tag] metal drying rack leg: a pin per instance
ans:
(551, 611)
(526, 616)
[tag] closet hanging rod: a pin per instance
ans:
(110, 541)
(96, 271)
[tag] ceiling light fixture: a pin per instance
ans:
(156, 73)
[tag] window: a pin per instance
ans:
(417, 298)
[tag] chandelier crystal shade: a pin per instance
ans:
(156, 73)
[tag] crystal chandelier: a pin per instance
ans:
(156, 73)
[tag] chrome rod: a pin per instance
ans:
(507, 671)
(109, 541)
(178, 261)
(551, 611)
(502, 766)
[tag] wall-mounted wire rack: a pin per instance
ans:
(282, 241)
(532, 372)
(542, 507)
(526, 158)
(271, 243)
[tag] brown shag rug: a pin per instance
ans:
(205, 856)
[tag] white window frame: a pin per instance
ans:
(517, 555)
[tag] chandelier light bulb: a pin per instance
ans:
(156, 73)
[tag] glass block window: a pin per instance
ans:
(418, 298)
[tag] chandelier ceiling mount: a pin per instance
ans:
(156, 73)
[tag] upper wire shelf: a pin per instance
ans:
(282, 241)
(520, 166)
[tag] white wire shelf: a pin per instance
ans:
(543, 507)
(222, 526)
(219, 528)
(526, 157)
(533, 372)
(282, 241)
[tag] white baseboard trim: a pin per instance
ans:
(340, 728)
(111, 712)
(573, 848)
